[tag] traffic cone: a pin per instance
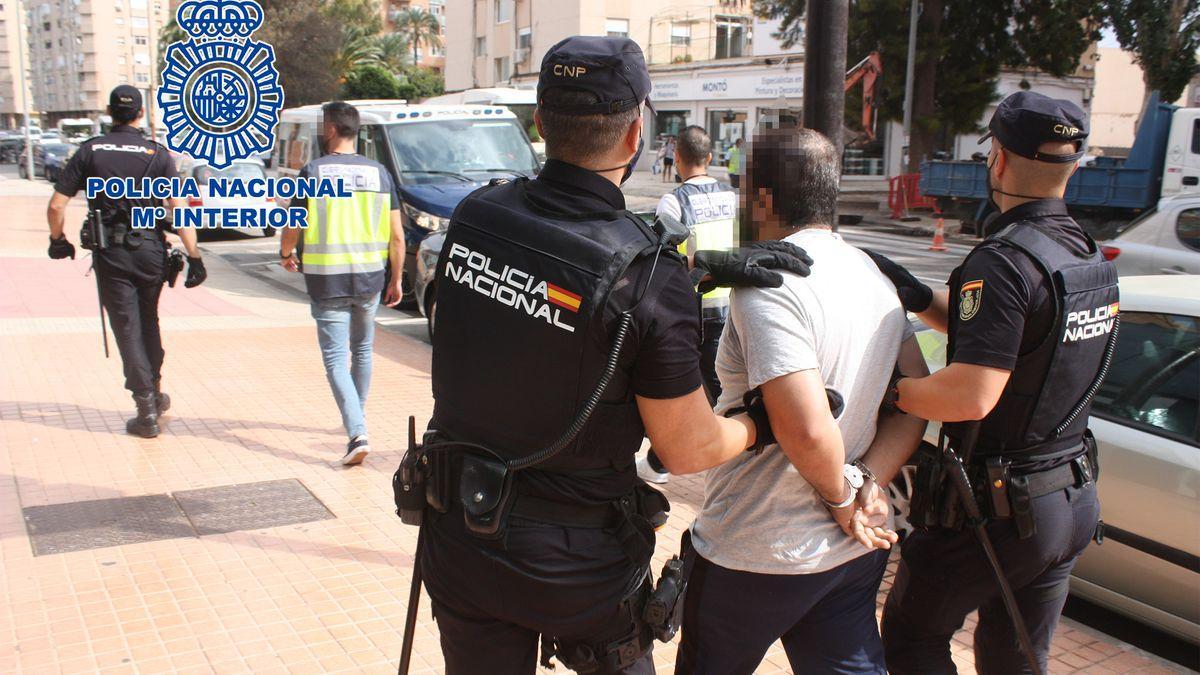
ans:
(939, 236)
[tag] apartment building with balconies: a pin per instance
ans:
(12, 94)
(428, 56)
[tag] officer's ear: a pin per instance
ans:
(537, 122)
(633, 135)
(1000, 164)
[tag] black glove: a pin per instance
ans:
(196, 273)
(61, 248)
(753, 265)
(756, 409)
(914, 295)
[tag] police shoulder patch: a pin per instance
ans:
(970, 297)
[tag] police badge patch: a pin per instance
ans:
(970, 297)
(220, 92)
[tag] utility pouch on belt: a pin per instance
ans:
(927, 484)
(1022, 506)
(485, 490)
(997, 485)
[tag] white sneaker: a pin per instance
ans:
(648, 474)
(356, 451)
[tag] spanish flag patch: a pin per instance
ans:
(563, 298)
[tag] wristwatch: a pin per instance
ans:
(285, 257)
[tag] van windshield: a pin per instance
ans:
(463, 150)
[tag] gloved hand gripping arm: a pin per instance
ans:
(758, 265)
(916, 297)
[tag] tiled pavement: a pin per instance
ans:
(250, 404)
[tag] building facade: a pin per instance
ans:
(80, 49)
(432, 57)
(12, 95)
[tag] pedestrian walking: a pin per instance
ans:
(130, 265)
(668, 159)
(567, 331)
(707, 210)
(1031, 314)
(348, 248)
(735, 164)
(792, 543)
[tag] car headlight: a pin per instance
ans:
(426, 221)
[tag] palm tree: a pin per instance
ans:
(418, 26)
(393, 51)
(359, 48)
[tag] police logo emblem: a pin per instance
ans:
(970, 297)
(220, 95)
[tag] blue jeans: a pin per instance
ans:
(346, 334)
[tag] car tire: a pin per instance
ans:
(269, 231)
(22, 172)
(899, 493)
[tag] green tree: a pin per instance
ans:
(419, 27)
(305, 48)
(371, 81)
(1163, 36)
(393, 51)
(962, 45)
(418, 84)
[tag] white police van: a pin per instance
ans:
(437, 155)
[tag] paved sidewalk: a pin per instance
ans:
(201, 583)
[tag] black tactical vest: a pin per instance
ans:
(521, 339)
(1051, 379)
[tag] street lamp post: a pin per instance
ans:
(21, 47)
(909, 70)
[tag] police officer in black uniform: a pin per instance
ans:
(1030, 314)
(568, 329)
(133, 265)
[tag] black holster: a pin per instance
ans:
(485, 489)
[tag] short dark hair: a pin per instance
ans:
(579, 139)
(693, 146)
(344, 118)
(124, 115)
(801, 168)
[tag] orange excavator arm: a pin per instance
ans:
(868, 71)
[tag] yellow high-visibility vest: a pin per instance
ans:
(709, 211)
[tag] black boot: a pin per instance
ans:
(161, 400)
(146, 422)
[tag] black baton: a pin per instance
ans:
(414, 591)
(97, 226)
(962, 484)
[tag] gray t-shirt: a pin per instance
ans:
(844, 320)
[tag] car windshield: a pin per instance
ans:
(463, 150)
(237, 170)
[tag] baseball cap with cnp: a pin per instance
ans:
(125, 98)
(1026, 119)
(611, 68)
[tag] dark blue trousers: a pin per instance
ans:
(944, 576)
(826, 620)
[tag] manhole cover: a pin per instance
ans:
(251, 506)
(79, 526)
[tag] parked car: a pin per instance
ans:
(11, 146)
(242, 169)
(1145, 419)
(1164, 240)
(425, 283)
(49, 158)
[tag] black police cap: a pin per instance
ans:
(1025, 120)
(125, 98)
(611, 68)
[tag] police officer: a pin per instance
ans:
(1030, 315)
(567, 330)
(707, 209)
(132, 268)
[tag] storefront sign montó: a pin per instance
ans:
(760, 85)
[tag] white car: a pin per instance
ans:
(1164, 240)
(1146, 422)
(242, 169)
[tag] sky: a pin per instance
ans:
(1108, 38)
